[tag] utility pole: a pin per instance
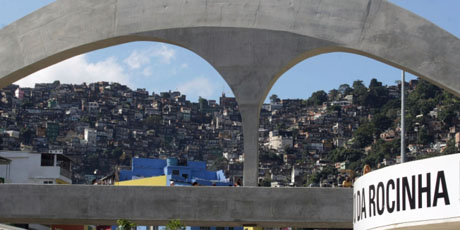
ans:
(403, 128)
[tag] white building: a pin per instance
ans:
(279, 142)
(90, 136)
(13, 133)
(230, 155)
(341, 103)
(241, 158)
(19, 93)
(35, 168)
(295, 174)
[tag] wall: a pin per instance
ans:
(151, 181)
(25, 168)
(142, 167)
(194, 206)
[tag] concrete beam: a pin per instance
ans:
(194, 206)
(373, 28)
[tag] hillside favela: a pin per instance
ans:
(96, 131)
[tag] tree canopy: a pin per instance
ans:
(317, 98)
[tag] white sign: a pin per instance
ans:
(409, 194)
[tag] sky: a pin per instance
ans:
(160, 67)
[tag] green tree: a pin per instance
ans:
(425, 106)
(358, 85)
(175, 225)
(391, 109)
(424, 137)
(359, 92)
(451, 148)
(448, 115)
(333, 94)
(345, 89)
(364, 135)
(381, 123)
(314, 178)
(342, 154)
(376, 97)
(126, 224)
(425, 90)
(274, 99)
(317, 98)
(382, 149)
(374, 84)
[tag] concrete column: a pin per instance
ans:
(250, 114)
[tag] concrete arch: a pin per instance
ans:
(250, 43)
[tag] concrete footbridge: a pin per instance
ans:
(194, 206)
(251, 44)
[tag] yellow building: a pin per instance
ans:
(150, 181)
(252, 228)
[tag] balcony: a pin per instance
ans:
(65, 173)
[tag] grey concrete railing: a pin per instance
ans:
(194, 206)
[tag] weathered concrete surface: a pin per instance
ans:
(250, 43)
(194, 206)
(372, 28)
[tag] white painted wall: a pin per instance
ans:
(279, 142)
(25, 167)
(90, 136)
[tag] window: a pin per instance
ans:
(47, 182)
(175, 172)
(47, 159)
(185, 176)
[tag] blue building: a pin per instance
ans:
(178, 172)
(157, 172)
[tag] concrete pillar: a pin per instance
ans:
(250, 114)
